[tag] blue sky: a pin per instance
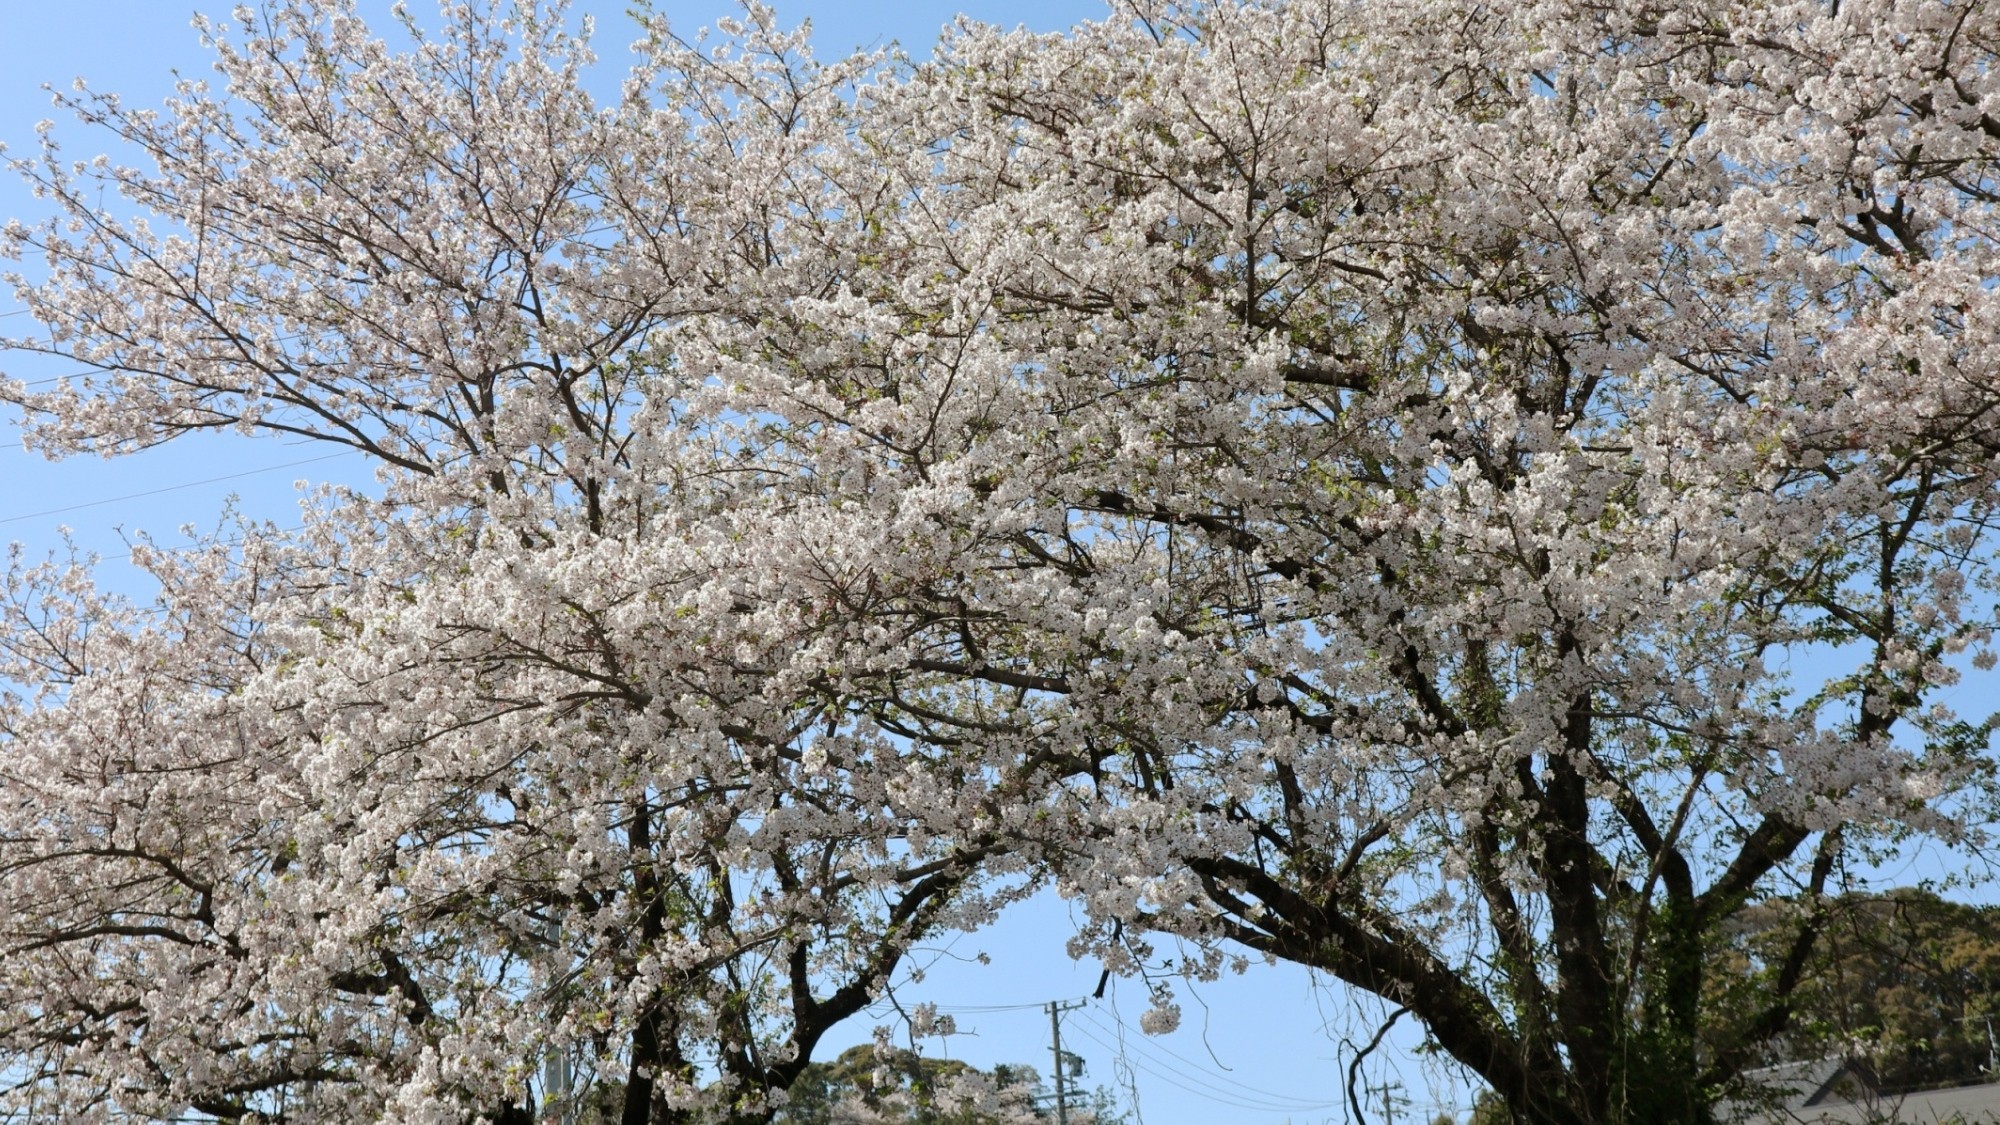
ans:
(1266, 1047)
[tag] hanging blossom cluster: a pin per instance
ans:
(1468, 499)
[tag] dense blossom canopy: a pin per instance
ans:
(1467, 498)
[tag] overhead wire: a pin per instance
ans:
(168, 488)
(1148, 1045)
(975, 1009)
(1262, 1101)
(1182, 1071)
(59, 378)
(46, 380)
(1102, 1027)
(102, 370)
(1244, 1097)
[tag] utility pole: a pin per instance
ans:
(1392, 1099)
(555, 1087)
(1055, 1009)
(556, 1107)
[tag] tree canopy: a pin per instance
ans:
(1473, 500)
(867, 1085)
(877, 1084)
(1905, 984)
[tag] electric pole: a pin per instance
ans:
(1055, 1009)
(556, 1107)
(555, 1087)
(1392, 1099)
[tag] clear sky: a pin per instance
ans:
(1264, 1048)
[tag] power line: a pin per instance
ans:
(980, 1009)
(169, 488)
(1185, 1070)
(1185, 1066)
(78, 374)
(60, 378)
(1174, 1069)
(1189, 1083)
(1245, 1098)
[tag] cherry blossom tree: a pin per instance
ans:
(523, 756)
(1503, 489)
(1467, 499)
